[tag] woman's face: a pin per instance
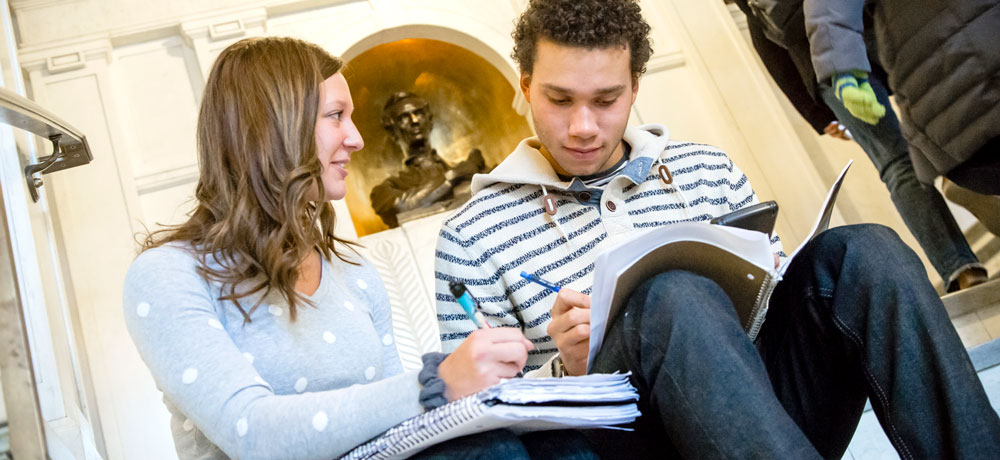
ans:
(336, 135)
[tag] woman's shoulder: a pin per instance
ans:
(165, 260)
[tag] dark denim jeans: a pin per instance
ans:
(853, 318)
(921, 206)
(505, 445)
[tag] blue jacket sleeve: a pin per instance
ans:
(836, 41)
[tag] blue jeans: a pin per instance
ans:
(853, 318)
(921, 206)
(505, 445)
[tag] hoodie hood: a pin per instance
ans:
(526, 165)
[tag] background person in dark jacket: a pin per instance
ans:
(943, 62)
(799, 86)
(777, 30)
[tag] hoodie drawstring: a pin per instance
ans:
(668, 179)
(551, 208)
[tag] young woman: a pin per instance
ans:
(268, 335)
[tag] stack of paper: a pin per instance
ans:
(590, 401)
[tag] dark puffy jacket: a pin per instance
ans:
(943, 63)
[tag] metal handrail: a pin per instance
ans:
(69, 149)
(69, 145)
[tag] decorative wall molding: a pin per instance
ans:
(166, 179)
(665, 61)
(209, 35)
(128, 33)
(216, 28)
(66, 57)
(28, 5)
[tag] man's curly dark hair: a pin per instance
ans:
(585, 23)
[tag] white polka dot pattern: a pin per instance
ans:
(142, 309)
(241, 427)
(387, 339)
(320, 421)
(189, 376)
(188, 425)
(348, 305)
(362, 284)
(274, 310)
(300, 384)
(329, 337)
(370, 373)
(215, 324)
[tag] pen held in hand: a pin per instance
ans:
(535, 279)
(468, 303)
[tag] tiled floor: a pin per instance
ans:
(972, 329)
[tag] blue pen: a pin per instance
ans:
(468, 303)
(534, 279)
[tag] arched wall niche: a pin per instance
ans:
(471, 88)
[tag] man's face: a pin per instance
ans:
(411, 122)
(580, 102)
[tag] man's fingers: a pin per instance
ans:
(571, 319)
(568, 299)
(574, 336)
(568, 320)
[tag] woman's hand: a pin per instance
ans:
(485, 357)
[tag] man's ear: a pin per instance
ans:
(525, 83)
(635, 89)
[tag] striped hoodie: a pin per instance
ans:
(504, 228)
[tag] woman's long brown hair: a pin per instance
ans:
(256, 218)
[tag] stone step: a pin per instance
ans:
(972, 299)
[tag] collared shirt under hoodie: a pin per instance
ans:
(505, 229)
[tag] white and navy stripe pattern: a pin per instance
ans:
(504, 230)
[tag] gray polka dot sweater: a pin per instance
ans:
(272, 388)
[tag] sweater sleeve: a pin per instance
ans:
(836, 41)
(170, 313)
(459, 259)
(382, 317)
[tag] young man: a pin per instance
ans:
(842, 326)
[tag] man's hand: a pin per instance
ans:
(483, 358)
(570, 329)
(838, 131)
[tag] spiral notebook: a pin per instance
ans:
(520, 405)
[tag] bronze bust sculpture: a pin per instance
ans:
(425, 184)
